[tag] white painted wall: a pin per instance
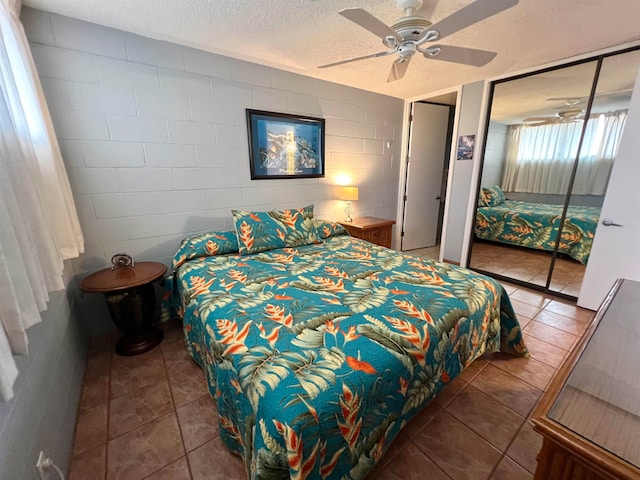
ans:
(459, 186)
(155, 142)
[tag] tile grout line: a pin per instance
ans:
(545, 340)
(523, 380)
(410, 440)
(175, 409)
(79, 410)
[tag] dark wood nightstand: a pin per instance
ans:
(131, 300)
(372, 229)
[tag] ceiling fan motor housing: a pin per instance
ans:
(569, 113)
(409, 28)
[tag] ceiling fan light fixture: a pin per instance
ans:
(406, 49)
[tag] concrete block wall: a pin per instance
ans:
(42, 414)
(494, 155)
(154, 137)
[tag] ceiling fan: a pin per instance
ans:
(623, 94)
(563, 116)
(412, 34)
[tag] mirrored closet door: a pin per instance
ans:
(550, 142)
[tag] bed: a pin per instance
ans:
(317, 355)
(535, 225)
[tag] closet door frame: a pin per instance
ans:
(489, 102)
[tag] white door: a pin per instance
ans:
(427, 148)
(616, 249)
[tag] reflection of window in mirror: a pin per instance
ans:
(537, 128)
(602, 136)
(528, 155)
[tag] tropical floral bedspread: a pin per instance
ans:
(318, 355)
(535, 225)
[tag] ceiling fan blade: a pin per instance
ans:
(369, 22)
(466, 16)
(567, 99)
(537, 124)
(355, 59)
(398, 69)
(467, 56)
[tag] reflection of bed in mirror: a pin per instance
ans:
(551, 141)
(535, 225)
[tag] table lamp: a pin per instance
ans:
(348, 194)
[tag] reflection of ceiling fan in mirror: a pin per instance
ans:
(623, 94)
(563, 116)
(413, 33)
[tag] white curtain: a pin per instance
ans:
(39, 226)
(540, 158)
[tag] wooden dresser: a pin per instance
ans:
(372, 229)
(590, 415)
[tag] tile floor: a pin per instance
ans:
(150, 417)
(428, 252)
(528, 265)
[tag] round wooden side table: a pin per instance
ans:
(131, 300)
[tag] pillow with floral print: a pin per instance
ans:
(494, 196)
(260, 231)
(328, 229)
(482, 199)
(205, 245)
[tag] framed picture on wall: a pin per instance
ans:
(285, 146)
(466, 144)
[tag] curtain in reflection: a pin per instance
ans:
(540, 158)
(602, 138)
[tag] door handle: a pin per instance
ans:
(607, 222)
(438, 197)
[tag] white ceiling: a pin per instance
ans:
(299, 35)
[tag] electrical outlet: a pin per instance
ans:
(41, 466)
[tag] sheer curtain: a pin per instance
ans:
(540, 158)
(39, 226)
(601, 142)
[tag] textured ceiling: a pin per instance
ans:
(567, 88)
(299, 35)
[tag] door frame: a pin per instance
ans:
(446, 153)
(404, 152)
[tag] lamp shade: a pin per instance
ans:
(347, 193)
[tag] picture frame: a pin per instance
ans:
(466, 145)
(282, 145)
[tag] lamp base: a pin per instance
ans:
(347, 212)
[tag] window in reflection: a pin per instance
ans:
(529, 156)
(603, 132)
(546, 166)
